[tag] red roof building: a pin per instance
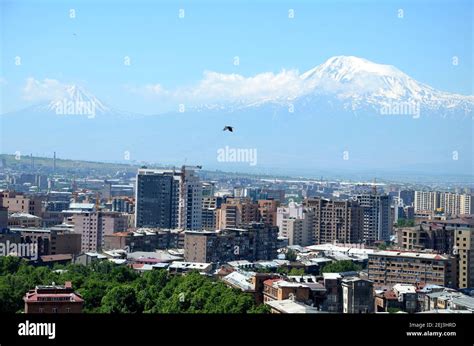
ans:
(53, 299)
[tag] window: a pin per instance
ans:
(55, 310)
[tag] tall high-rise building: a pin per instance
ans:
(190, 201)
(157, 199)
(331, 220)
(464, 250)
(168, 199)
(426, 200)
(407, 197)
(448, 202)
(377, 224)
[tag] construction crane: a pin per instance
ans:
(97, 201)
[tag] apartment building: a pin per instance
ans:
(236, 212)
(357, 296)
(453, 236)
(17, 202)
(331, 220)
(168, 199)
(452, 204)
(377, 217)
(392, 267)
(267, 210)
(256, 241)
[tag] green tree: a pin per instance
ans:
(291, 255)
(120, 299)
(341, 266)
(108, 288)
(393, 310)
(296, 272)
(405, 223)
(92, 292)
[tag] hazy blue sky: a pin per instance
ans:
(171, 52)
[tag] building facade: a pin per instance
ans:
(377, 220)
(331, 220)
(254, 242)
(393, 267)
(168, 199)
(453, 204)
(357, 296)
(53, 299)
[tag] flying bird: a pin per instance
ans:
(228, 128)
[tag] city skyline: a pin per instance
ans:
(190, 169)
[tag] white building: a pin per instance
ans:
(450, 203)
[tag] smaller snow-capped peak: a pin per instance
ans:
(76, 97)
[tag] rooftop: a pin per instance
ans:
(159, 256)
(241, 263)
(404, 288)
(74, 206)
(189, 265)
(431, 256)
(331, 276)
(33, 230)
(22, 215)
(240, 280)
(289, 306)
(52, 258)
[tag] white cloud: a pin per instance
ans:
(222, 88)
(47, 89)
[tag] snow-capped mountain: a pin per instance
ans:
(337, 109)
(362, 82)
(77, 95)
(353, 83)
(76, 100)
